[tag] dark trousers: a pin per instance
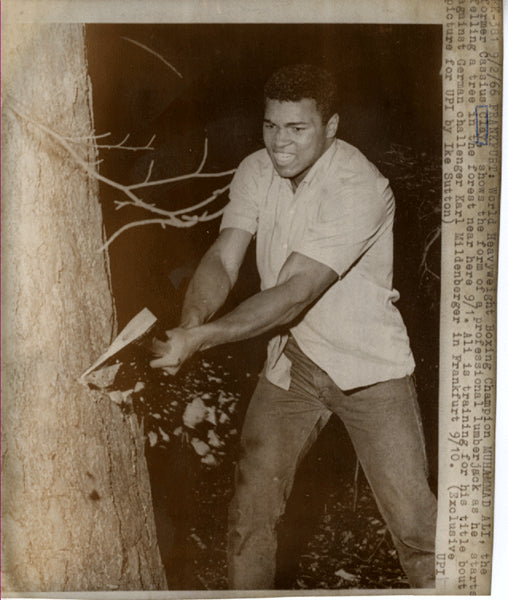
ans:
(383, 421)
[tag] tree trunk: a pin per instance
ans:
(76, 502)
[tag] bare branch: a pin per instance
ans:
(178, 218)
(185, 221)
(168, 64)
(429, 242)
(208, 200)
(121, 145)
(427, 269)
(125, 139)
(87, 138)
(149, 174)
(205, 156)
(162, 222)
(206, 217)
(79, 160)
(193, 175)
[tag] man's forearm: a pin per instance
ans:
(207, 292)
(301, 281)
(266, 310)
(215, 276)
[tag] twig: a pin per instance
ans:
(205, 156)
(120, 146)
(185, 221)
(376, 549)
(179, 218)
(424, 268)
(162, 222)
(355, 485)
(168, 64)
(195, 174)
(203, 203)
(87, 138)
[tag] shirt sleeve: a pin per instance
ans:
(244, 193)
(345, 225)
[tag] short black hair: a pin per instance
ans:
(296, 82)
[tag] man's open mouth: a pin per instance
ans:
(283, 158)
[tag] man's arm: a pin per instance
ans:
(214, 278)
(301, 281)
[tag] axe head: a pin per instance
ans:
(137, 331)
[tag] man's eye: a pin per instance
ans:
(297, 129)
(269, 125)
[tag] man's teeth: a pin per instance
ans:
(283, 157)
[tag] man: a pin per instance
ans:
(322, 216)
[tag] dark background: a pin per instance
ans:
(389, 106)
(390, 93)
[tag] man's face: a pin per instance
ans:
(295, 136)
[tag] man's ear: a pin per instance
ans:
(332, 126)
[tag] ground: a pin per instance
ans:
(332, 536)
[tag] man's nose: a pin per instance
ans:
(281, 137)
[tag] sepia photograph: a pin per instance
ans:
(223, 321)
(187, 274)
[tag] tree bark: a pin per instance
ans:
(76, 502)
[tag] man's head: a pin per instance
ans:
(296, 82)
(300, 120)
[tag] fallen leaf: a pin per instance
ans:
(209, 460)
(201, 448)
(164, 435)
(194, 413)
(345, 575)
(213, 439)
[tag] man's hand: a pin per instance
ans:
(179, 346)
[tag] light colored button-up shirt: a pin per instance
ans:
(342, 216)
